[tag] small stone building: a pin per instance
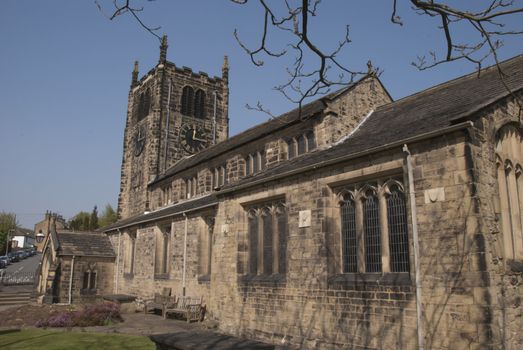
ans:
(76, 267)
(353, 222)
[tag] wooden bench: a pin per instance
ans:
(190, 308)
(160, 302)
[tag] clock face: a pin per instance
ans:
(139, 141)
(193, 138)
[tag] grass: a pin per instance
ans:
(52, 340)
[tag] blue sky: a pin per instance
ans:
(65, 72)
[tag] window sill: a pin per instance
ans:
(360, 279)
(275, 279)
(204, 279)
(128, 275)
(161, 276)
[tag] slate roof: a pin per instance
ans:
(438, 107)
(84, 244)
(285, 120)
(175, 209)
(430, 110)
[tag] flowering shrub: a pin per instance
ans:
(91, 315)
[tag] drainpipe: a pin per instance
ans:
(184, 254)
(117, 263)
(415, 238)
(71, 281)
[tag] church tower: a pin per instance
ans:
(172, 113)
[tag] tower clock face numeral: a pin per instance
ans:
(193, 138)
(139, 141)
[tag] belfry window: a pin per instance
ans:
(187, 100)
(374, 220)
(509, 161)
(199, 104)
(267, 236)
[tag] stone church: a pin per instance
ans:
(355, 222)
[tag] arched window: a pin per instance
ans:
(267, 219)
(302, 148)
(348, 233)
(398, 232)
(187, 100)
(291, 148)
(253, 241)
(199, 104)
(372, 232)
(139, 108)
(509, 158)
(311, 141)
(146, 104)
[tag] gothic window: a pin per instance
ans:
(267, 235)
(509, 160)
(187, 100)
(371, 231)
(199, 104)
(398, 232)
(161, 251)
(348, 233)
(373, 220)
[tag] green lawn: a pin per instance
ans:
(46, 339)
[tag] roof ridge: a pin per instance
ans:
(453, 81)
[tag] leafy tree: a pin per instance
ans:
(80, 222)
(108, 216)
(93, 221)
(7, 223)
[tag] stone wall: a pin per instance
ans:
(104, 268)
(314, 305)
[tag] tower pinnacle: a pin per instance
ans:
(134, 80)
(163, 49)
(225, 68)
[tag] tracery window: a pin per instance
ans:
(509, 160)
(374, 229)
(144, 105)
(187, 100)
(267, 236)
